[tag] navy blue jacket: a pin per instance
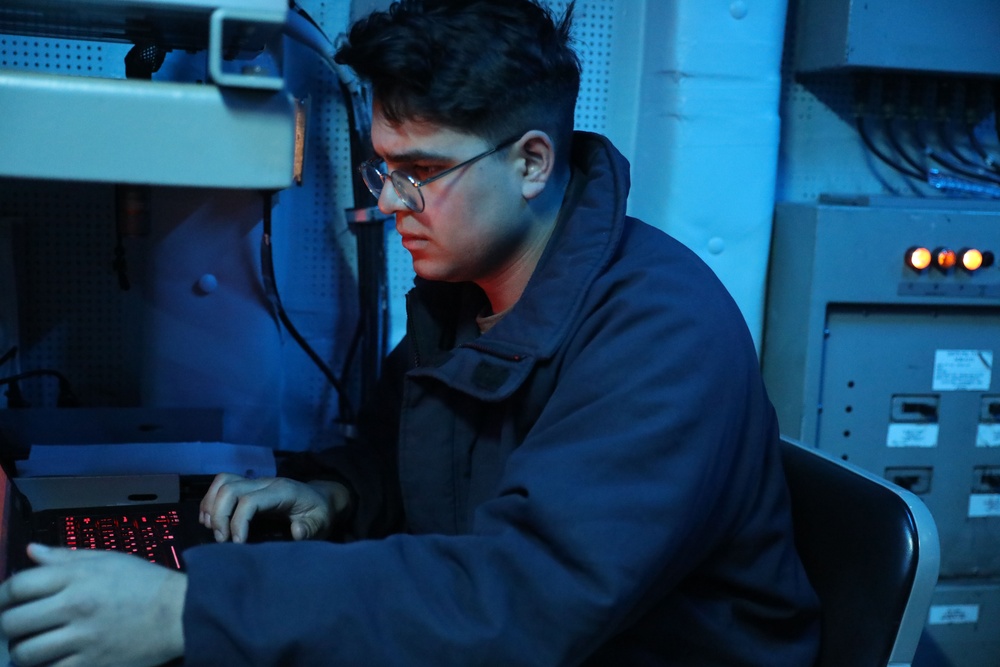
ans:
(596, 480)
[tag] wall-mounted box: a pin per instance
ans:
(927, 35)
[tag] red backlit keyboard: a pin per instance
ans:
(150, 536)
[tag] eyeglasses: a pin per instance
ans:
(374, 173)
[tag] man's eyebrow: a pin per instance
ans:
(414, 156)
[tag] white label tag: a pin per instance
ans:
(948, 614)
(912, 435)
(988, 435)
(958, 370)
(983, 505)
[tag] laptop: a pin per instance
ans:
(158, 532)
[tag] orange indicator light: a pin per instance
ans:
(918, 258)
(972, 259)
(945, 258)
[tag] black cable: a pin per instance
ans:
(66, 396)
(996, 109)
(975, 174)
(863, 133)
(944, 134)
(16, 399)
(120, 265)
(143, 59)
(951, 166)
(305, 30)
(347, 413)
(8, 355)
(372, 297)
(298, 9)
(888, 124)
(352, 348)
(970, 132)
(977, 145)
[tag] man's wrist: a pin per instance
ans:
(173, 592)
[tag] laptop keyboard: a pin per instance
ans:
(149, 535)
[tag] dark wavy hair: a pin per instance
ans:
(492, 68)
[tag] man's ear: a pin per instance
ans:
(537, 159)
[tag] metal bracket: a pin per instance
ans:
(233, 31)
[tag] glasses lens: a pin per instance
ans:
(407, 191)
(371, 173)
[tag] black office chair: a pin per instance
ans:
(872, 553)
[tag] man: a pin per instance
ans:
(572, 459)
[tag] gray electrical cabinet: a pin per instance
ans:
(892, 368)
(927, 35)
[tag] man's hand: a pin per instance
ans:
(232, 501)
(90, 608)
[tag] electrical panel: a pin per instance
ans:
(882, 334)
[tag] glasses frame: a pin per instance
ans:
(376, 189)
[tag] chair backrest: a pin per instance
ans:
(872, 553)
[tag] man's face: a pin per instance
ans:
(474, 225)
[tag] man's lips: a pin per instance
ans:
(411, 242)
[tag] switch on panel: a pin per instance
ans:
(990, 410)
(984, 501)
(915, 480)
(909, 408)
(986, 479)
(913, 421)
(988, 429)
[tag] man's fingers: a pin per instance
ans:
(45, 555)
(208, 503)
(246, 509)
(45, 648)
(31, 584)
(304, 529)
(232, 502)
(227, 496)
(32, 617)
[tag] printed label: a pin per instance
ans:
(949, 614)
(988, 435)
(958, 370)
(983, 505)
(912, 435)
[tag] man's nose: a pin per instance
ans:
(389, 201)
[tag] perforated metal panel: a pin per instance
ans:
(60, 56)
(593, 28)
(72, 317)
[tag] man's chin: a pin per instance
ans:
(431, 271)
